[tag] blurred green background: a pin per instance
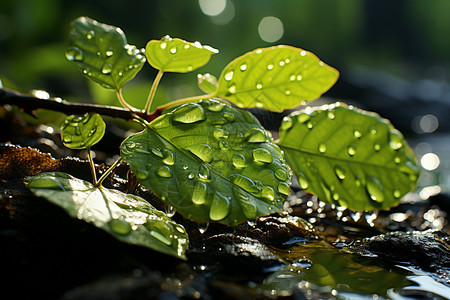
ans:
(393, 56)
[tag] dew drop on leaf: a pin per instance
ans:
(46, 183)
(119, 226)
(203, 173)
(199, 193)
(377, 147)
(351, 150)
(283, 188)
(268, 193)
(395, 140)
(280, 174)
(228, 76)
(292, 77)
(74, 54)
(239, 161)
(155, 151)
(262, 155)
(245, 183)
(164, 171)
(397, 194)
(287, 92)
(229, 116)
(259, 86)
(90, 35)
(220, 207)
(243, 67)
(109, 53)
(255, 135)
(220, 133)
(142, 175)
(357, 134)
(168, 157)
(215, 106)
(189, 113)
(286, 124)
(269, 67)
(374, 189)
(107, 69)
(202, 228)
(302, 181)
(173, 50)
(303, 118)
(299, 77)
(340, 172)
(322, 148)
(202, 151)
(232, 89)
(170, 211)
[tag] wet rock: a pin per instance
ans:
(429, 250)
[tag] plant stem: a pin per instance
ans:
(106, 174)
(183, 100)
(152, 93)
(124, 103)
(91, 164)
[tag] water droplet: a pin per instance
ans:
(397, 194)
(284, 188)
(373, 131)
(220, 133)
(170, 211)
(268, 193)
(90, 34)
(281, 174)
(119, 226)
(287, 92)
(397, 160)
(262, 155)
(302, 263)
(340, 172)
(322, 148)
(164, 171)
(281, 63)
(287, 123)
(202, 151)
(202, 228)
(303, 117)
(187, 46)
(396, 139)
(163, 45)
(160, 229)
(109, 53)
(259, 86)
(255, 135)
(107, 69)
(78, 130)
(199, 193)
(74, 54)
(374, 189)
(67, 139)
(228, 76)
(223, 145)
(191, 176)
(351, 150)
(215, 106)
(229, 116)
(377, 147)
(243, 67)
(232, 89)
(336, 196)
(357, 134)
(173, 50)
(142, 174)
(46, 183)
(245, 183)
(331, 115)
(157, 152)
(269, 67)
(303, 53)
(299, 77)
(220, 207)
(239, 161)
(168, 157)
(203, 173)
(302, 182)
(189, 113)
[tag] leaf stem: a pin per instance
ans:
(124, 103)
(152, 93)
(183, 100)
(92, 165)
(106, 174)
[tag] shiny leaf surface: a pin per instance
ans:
(127, 217)
(211, 162)
(175, 55)
(348, 157)
(82, 131)
(275, 78)
(102, 53)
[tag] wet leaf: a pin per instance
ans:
(175, 55)
(82, 131)
(102, 53)
(211, 162)
(349, 157)
(275, 78)
(127, 217)
(207, 83)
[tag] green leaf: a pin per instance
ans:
(207, 83)
(348, 156)
(127, 217)
(82, 131)
(211, 162)
(176, 55)
(275, 78)
(102, 53)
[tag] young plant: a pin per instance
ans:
(214, 162)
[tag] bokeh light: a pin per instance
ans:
(425, 124)
(430, 161)
(212, 7)
(270, 29)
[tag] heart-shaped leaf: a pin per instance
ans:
(82, 131)
(275, 78)
(102, 53)
(348, 157)
(127, 217)
(211, 162)
(175, 55)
